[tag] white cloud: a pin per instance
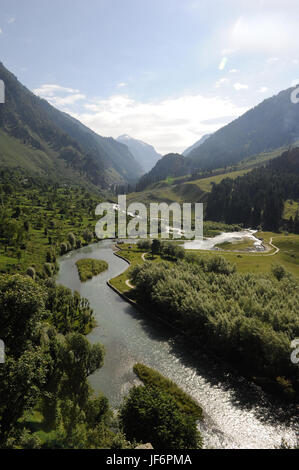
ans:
(121, 85)
(58, 95)
(240, 86)
(272, 60)
(0, 31)
(10, 20)
(222, 81)
(263, 89)
(234, 71)
(170, 125)
(226, 52)
(51, 90)
(295, 82)
(265, 32)
(222, 63)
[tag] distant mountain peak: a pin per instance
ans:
(145, 154)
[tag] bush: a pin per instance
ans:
(152, 377)
(72, 239)
(278, 271)
(49, 269)
(144, 244)
(150, 415)
(31, 272)
(63, 248)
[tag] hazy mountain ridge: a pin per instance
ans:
(196, 144)
(145, 154)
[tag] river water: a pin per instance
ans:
(231, 237)
(237, 414)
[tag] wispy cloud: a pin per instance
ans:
(58, 95)
(170, 125)
(10, 20)
(240, 86)
(272, 60)
(121, 85)
(222, 81)
(263, 89)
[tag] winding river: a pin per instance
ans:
(237, 414)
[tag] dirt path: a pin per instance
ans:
(129, 284)
(273, 246)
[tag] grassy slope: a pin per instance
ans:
(290, 209)
(180, 190)
(14, 154)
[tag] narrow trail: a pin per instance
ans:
(129, 284)
(273, 246)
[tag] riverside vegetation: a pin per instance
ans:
(46, 400)
(247, 319)
(87, 268)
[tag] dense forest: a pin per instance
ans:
(247, 319)
(257, 198)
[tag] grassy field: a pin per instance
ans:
(290, 209)
(132, 254)
(288, 256)
(88, 267)
(243, 245)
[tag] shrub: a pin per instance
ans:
(31, 272)
(150, 415)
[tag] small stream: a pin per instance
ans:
(237, 413)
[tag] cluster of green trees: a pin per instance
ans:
(47, 364)
(258, 197)
(41, 220)
(168, 250)
(248, 319)
(45, 369)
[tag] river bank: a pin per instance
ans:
(236, 415)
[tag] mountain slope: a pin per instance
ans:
(47, 141)
(271, 124)
(171, 165)
(197, 144)
(143, 153)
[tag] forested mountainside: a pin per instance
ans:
(271, 124)
(40, 139)
(171, 165)
(258, 197)
(196, 144)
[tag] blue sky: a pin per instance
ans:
(163, 71)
